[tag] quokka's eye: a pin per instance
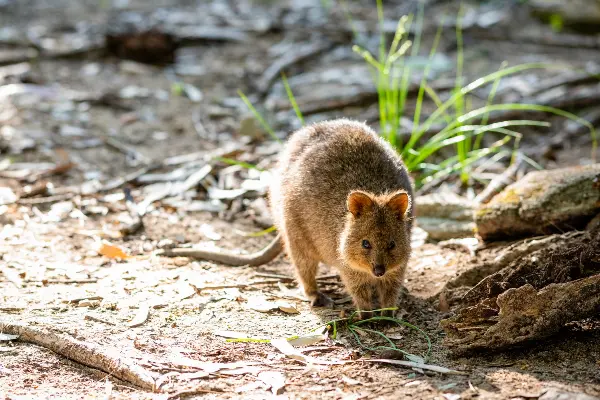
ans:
(366, 244)
(391, 245)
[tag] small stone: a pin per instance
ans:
(181, 261)
(147, 247)
(166, 244)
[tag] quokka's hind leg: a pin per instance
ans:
(306, 269)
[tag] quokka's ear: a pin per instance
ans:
(359, 203)
(399, 203)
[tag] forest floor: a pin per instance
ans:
(71, 121)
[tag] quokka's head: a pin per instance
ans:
(376, 238)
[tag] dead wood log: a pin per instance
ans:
(89, 354)
(516, 251)
(289, 59)
(532, 297)
(541, 203)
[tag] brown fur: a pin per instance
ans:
(338, 184)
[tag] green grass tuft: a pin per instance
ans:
(354, 326)
(391, 76)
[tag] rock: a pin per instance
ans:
(577, 14)
(543, 202)
(445, 216)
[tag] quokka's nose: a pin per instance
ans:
(379, 270)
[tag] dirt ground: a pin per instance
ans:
(52, 245)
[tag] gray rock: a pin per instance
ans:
(543, 202)
(445, 216)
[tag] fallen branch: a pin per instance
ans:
(89, 354)
(136, 215)
(500, 182)
(286, 61)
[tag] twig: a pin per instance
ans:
(188, 35)
(291, 278)
(274, 276)
(199, 126)
(120, 181)
(61, 281)
(127, 150)
(74, 301)
(412, 364)
(570, 41)
(499, 183)
(135, 213)
(234, 286)
(92, 355)
(46, 200)
(96, 319)
(287, 60)
(564, 80)
(190, 392)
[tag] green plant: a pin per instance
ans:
(391, 75)
(355, 327)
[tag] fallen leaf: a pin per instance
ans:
(349, 381)
(274, 379)
(451, 396)
(261, 305)
(288, 308)
(141, 317)
(111, 251)
(210, 233)
(6, 337)
(7, 196)
(394, 336)
(284, 346)
(247, 369)
(12, 276)
(307, 340)
(414, 358)
(209, 367)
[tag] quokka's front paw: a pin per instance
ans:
(362, 315)
(388, 313)
(321, 300)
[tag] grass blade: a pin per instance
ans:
(258, 117)
(290, 95)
